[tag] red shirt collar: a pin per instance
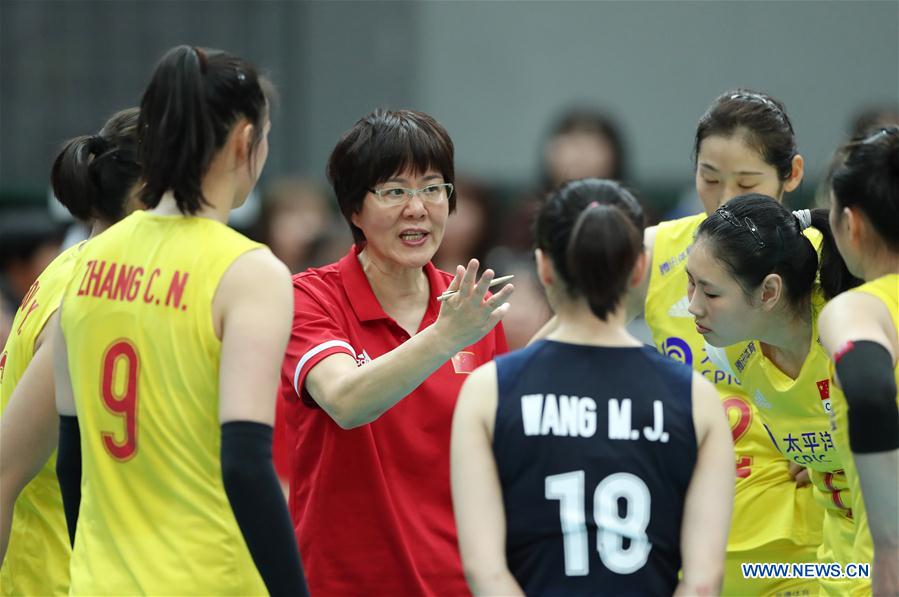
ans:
(362, 298)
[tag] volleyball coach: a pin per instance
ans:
(374, 365)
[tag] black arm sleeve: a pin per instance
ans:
(865, 372)
(259, 507)
(68, 470)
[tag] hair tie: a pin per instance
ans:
(592, 204)
(803, 217)
(98, 145)
(201, 58)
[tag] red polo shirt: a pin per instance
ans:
(371, 506)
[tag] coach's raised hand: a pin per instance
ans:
(468, 315)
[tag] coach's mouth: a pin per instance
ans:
(414, 237)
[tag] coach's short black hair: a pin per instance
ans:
(380, 145)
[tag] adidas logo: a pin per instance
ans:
(680, 308)
(761, 402)
(362, 358)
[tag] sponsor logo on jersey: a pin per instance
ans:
(677, 349)
(669, 265)
(680, 308)
(761, 401)
(744, 356)
(362, 358)
(771, 436)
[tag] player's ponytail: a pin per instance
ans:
(187, 111)
(833, 274)
(93, 175)
(592, 230)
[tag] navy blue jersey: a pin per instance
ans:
(595, 448)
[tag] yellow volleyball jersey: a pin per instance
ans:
(886, 289)
(768, 507)
(37, 558)
(144, 364)
(796, 414)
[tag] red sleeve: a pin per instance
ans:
(317, 333)
(502, 346)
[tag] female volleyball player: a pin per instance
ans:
(375, 364)
(587, 462)
(860, 332)
(95, 178)
(757, 286)
(166, 359)
(744, 142)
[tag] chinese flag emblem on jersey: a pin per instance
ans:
(464, 362)
(824, 389)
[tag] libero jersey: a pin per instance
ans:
(595, 448)
(37, 559)
(767, 505)
(886, 289)
(796, 413)
(144, 364)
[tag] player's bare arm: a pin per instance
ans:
(709, 500)
(477, 496)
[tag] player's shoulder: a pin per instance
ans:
(678, 231)
(63, 264)
(262, 263)
(676, 377)
(664, 364)
(518, 360)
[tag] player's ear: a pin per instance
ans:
(639, 270)
(546, 273)
(770, 291)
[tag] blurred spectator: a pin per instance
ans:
(585, 142)
(468, 229)
(29, 241)
(866, 121)
(528, 309)
(6, 318)
(299, 225)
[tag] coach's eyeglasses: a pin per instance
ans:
(746, 223)
(432, 193)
